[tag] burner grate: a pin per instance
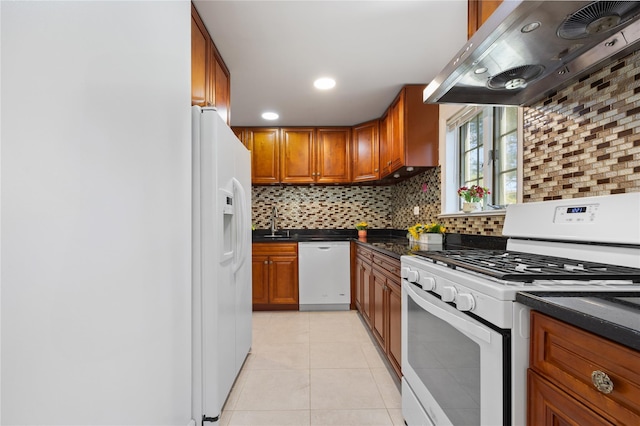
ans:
(526, 267)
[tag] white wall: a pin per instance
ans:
(95, 213)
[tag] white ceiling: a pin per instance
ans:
(275, 49)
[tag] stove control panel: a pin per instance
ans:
(576, 214)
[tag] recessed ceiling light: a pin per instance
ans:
(270, 116)
(324, 83)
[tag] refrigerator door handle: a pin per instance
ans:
(241, 227)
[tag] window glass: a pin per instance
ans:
(483, 151)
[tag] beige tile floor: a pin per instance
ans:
(312, 368)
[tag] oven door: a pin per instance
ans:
(453, 365)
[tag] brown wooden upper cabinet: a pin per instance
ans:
(407, 135)
(478, 12)
(210, 79)
(315, 155)
(409, 132)
(333, 161)
(264, 144)
(365, 155)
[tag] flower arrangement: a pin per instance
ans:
(362, 226)
(419, 228)
(473, 194)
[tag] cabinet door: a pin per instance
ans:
(395, 330)
(222, 99)
(297, 156)
(365, 152)
(385, 145)
(378, 295)
(199, 56)
(260, 279)
(550, 406)
(478, 12)
(283, 279)
(240, 134)
(367, 277)
(359, 276)
(334, 157)
(397, 134)
(264, 145)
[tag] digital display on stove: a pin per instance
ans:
(576, 210)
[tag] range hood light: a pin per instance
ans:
(409, 169)
(480, 70)
(396, 175)
(532, 26)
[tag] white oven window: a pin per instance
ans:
(448, 363)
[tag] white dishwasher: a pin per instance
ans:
(324, 276)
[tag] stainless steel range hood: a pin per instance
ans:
(527, 49)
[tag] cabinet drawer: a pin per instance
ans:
(364, 254)
(389, 264)
(275, 248)
(567, 356)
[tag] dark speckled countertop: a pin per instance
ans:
(614, 316)
(392, 242)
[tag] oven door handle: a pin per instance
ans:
(458, 321)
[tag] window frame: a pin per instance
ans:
(453, 117)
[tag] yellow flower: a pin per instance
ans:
(362, 225)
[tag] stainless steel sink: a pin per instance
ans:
(283, 235)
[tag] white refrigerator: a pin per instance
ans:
(221, 262)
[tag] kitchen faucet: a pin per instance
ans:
(274, 216)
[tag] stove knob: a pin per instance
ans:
(404, 272)
(413, 276)
(427, 283)
(448, 294)
(465, 302)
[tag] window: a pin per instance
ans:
(481, 148)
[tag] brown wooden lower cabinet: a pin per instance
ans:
(275, 276)
(551, 406)
(378, 298)
(560, 386)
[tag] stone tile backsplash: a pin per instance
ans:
(583, 140)
(580, 141)
(322, 207)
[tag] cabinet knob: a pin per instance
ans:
(601, 381)
(266, 262)
(375, 170)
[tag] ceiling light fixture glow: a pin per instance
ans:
(270, 116)
(324, 83)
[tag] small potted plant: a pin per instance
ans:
(472, 197)
(362, 229)
(430, 234)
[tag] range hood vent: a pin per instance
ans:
(527, 49)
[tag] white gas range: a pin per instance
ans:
(465, 339)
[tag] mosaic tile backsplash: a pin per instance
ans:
(581, 141)
(322, 207)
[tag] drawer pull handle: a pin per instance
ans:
(601, 381)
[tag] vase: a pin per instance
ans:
(471, 207)
(431, 239)
(362, 233)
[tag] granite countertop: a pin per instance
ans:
(392, 242)
(614, 316)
